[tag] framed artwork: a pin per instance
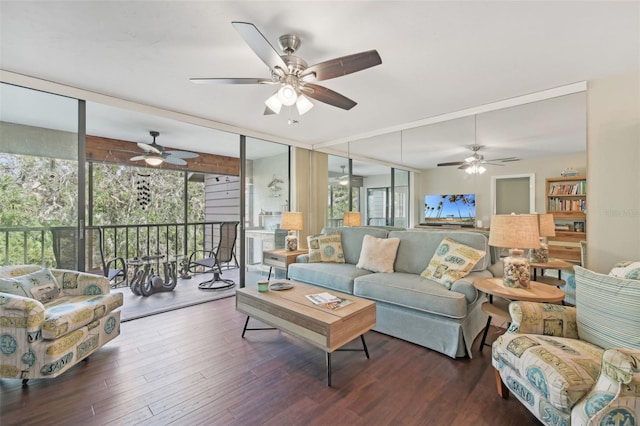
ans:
(578, 226)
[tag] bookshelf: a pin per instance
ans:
(566, 199)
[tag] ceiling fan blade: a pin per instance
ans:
(343, 65)
(232, 81)
(452, 163)
(492, 164)
(328, 96)
(181, 154)
(138, 158)
(505, 160)
(149, 148)
(259, 44)
(268, 111)
(465, 166)
(173, 160)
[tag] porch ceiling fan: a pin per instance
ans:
(293, 76)
(156, 154)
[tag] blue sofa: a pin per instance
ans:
(408, 306)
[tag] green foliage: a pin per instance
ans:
(37, 192)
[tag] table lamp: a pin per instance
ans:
(351, 219)
(547, 228)
(515, 232)
(293, 222)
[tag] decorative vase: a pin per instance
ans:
(517, 273)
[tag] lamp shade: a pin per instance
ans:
(514, 231)
(292, 221)
(547, 225)
(352, 219)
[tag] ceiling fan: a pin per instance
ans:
(474, 163)
(156, 154)
(292, 74)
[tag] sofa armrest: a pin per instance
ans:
(615, 394)
(302, 258)
(75, 283)
(544, 319)
(621, 365)
(21, 317)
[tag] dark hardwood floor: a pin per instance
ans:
(191, 366)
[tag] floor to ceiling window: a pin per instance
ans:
(39, 178)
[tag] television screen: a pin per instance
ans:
(450, 209)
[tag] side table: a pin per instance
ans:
(538, 292)
(280, 259)
(551, 264)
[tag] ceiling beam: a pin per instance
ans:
(117, 151)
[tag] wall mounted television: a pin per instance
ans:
(449, 209)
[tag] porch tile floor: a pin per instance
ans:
(185, 294)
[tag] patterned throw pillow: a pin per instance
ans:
(378, 254)
(40, 285)
(325, 248)
(451, 261)
(9, 285)
(627, 269)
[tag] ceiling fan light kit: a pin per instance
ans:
(293, 75)
(154, 160)
(155, 155)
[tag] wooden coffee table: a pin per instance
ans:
(290, 311)
(538, 292)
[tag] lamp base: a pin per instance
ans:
(291, 242)
(540, 255)
(517, 272)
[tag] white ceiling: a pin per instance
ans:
(437, 58)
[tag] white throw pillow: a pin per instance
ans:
(378, 254)
(451, 261)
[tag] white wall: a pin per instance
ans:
(613, 146)
(450, 180)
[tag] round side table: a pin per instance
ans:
(537, 292)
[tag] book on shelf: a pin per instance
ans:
(328, 300)
(578, 188)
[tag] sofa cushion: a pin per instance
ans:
(562, 370)
(325, 248)
(378, 254)
(336, 276)
(413, 291)
(451, 261)
(418, 246)
(40, 285)
(70, 313)
(352, 239)
(607, 314)
(11, 286)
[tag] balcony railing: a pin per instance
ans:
(56, 247)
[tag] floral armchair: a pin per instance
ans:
(50, 319)
(571, 365)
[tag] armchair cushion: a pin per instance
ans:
(543, 318)
(561, 370)
(608, 314)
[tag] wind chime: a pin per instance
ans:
(144, 191)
